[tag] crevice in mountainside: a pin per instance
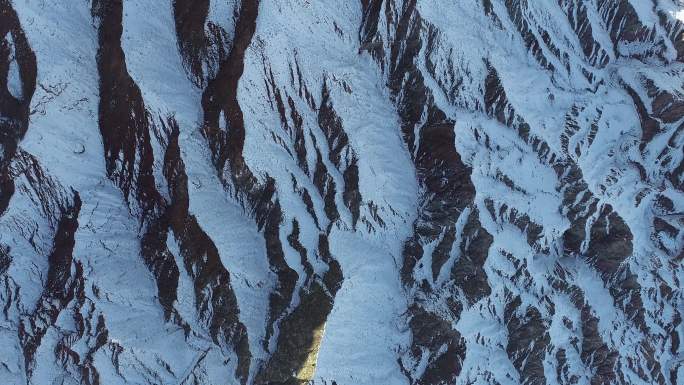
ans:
(625, 28)
(430, 138)
(14, 109)
(123, 119)
(528, 340)
(299, 139)
(504, 214)
(445, 346)
(129, 158)
(592, 349)
(42, 189)
(62, 311)
(216, 302)
(675, 30)
(125, 125)
(202, 43)
(219, 101)
(190, 18)
(220, 96)
(607, 243)
(649, 126)
(64, 277)
(298, 338)
(545, 172)
(301, 331)
(369, 37)
(578, 16)
(517, 11)
(340, 154)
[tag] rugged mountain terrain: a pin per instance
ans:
(341, 192)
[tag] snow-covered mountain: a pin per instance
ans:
(341, 192)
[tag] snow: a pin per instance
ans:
(107, 240)
(366, 332)
(167, 91)
(363, 333)
(14, 83)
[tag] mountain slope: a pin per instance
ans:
(341, 192)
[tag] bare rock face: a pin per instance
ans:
(341, 192)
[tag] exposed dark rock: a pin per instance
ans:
(14, 112)
(468, 272)
(610, 241)
(331, 125)
(125, 126)
(448, 193)
(215, 299)
(624, 26)
(325, 184)
(446, 350)
(543, 84)
(202, 43)
(649, 126)
(352, 195)
(582, 25)
(64, 276)
(528, 339)
(516, 11)
(123, 119)
(595, 353)
(443, 250)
